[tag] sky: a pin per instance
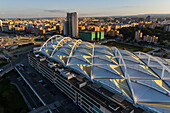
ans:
(85, 8)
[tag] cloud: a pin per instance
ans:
(96, 14)
(55, 11)
(129, 7)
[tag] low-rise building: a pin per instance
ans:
(138, 35)
(148, 38)
(91, 35)
(167, 27)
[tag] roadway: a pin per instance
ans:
(12, 40)
(50, 95)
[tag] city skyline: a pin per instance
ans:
(55, 8)
(84, 56)
(87, 64)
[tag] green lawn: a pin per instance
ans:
(40, 39)
(1, 51)
(127, 46)
(25, 40)
(11, 100)
(3, 62)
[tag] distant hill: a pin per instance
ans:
(152, 15)
(139, 15)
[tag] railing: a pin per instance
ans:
(7, 68)
(149, 59)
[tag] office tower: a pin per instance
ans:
(71, 25)
(0, 25)
(65, 28)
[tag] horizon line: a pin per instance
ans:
(153, 14)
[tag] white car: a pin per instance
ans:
(22, 65)
(1, 70)
(40, 81)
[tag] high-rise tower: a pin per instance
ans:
(0, 25)
(71, 25)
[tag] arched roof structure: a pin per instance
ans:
(139, 76)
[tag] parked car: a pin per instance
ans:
(1, 70)
(22, 65)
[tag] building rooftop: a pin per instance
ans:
(135, 75)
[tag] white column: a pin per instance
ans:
(163, 71)
(149, 60)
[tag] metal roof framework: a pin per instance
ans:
(118, 69)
